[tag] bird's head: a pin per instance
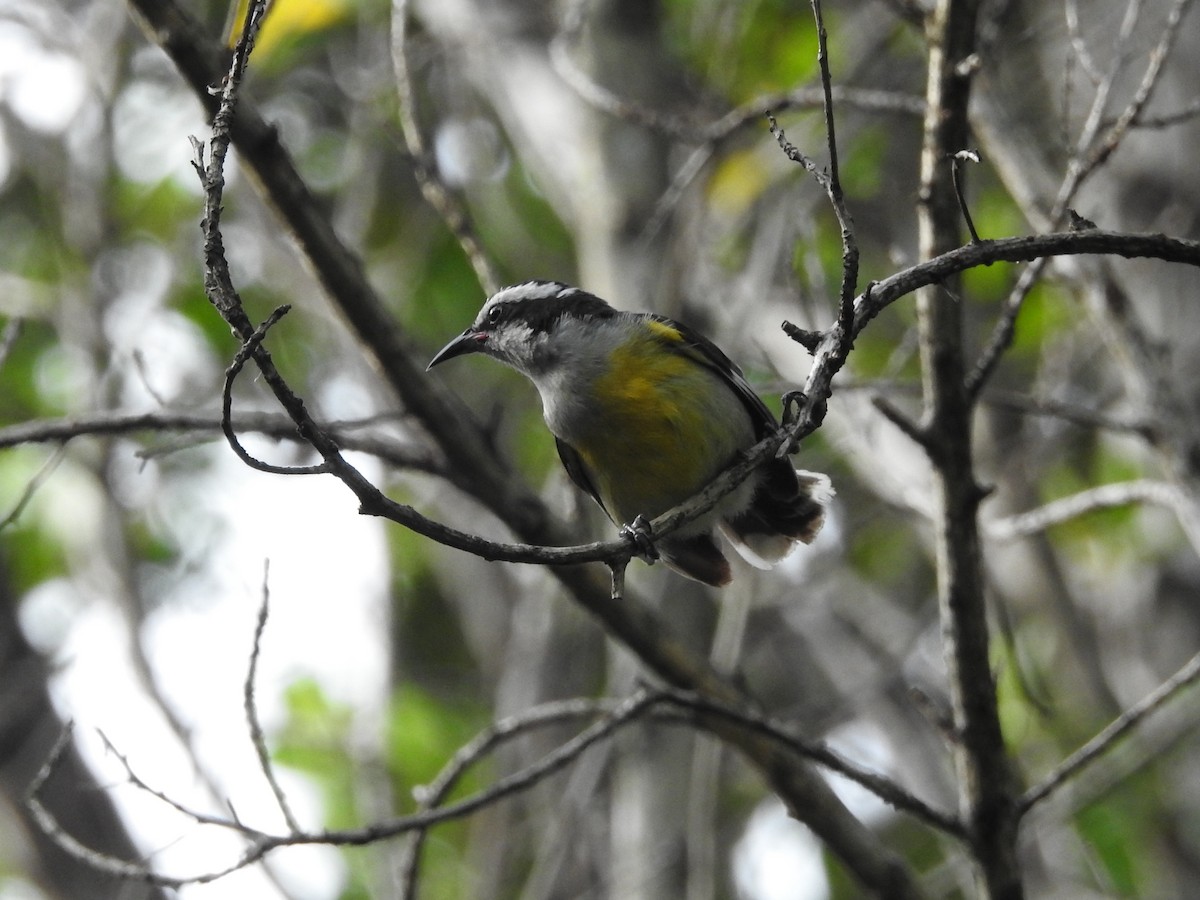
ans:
(531, 326)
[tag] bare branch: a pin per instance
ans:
(484, 743)
(1106, 739)
(792, 152)
(31, 487)
(9, 337)
(250, 346)
(986, 782)
(901, 420)
(1117, 131)
(261, 844)
(435, 191)
(959, 158)
(836, 197)
(713, 132)
(1078, 45)
(1167, 120)
(1072, 413)
(599, 96)
(1106, 496)
(275, 425)
(200, 818)
(248, 702)
(820, 753)
(1091, 150)
(50, 826)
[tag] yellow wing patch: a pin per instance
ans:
(664, 331)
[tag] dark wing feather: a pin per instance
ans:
(700, 349)
(573, 463)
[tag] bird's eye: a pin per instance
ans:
(493, 315)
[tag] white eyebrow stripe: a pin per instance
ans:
(532, 290)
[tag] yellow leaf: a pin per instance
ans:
(287, 21)
(738, 180)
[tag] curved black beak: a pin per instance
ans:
(470, 341)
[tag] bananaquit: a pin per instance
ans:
(645, 413)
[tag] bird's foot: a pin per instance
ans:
(641, 536)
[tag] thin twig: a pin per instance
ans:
(1145, 90)
(40, 477)
(624, 713)
(1167, 120)
(554, 713)
(1091, 150)
(836, 196)
(840, 338)
(50, 826)
(200, 818)
(1106, 496)
(261, 844)
(1072, 413)
(1116, 729)
(251, 347)
(469, 754)
(1079, 47)
(884, 788)
(436, 194)
(9, 337)
(257, 738)
(275, 425)
(956, 171)
(910, 428)
(792, 152)
(602, 98)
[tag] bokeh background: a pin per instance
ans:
(619, 145)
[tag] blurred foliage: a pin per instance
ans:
(1111, 834)
(743, 49)
(100, 263)
(315, 740)
(423, 734)
(862, 169)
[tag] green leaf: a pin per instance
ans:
(751, 49)
(424, 732)
(1117, 839)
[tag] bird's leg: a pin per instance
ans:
(641, 535)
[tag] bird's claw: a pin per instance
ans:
(641, 536)
(793, 406)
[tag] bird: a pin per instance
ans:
(645, 412)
